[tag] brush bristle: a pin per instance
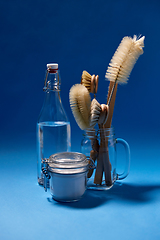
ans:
(80, 102)
(86, 80)
(95, 112)
(124, 59)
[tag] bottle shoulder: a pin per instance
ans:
(52, 109)
(53, 115)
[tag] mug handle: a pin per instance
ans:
(127, 165)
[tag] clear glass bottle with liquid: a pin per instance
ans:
(53, 126)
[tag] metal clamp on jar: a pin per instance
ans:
(67, 172)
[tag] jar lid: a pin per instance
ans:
(52, 66)
(68, 163)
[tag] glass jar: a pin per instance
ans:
(68, 175)
(100, 147)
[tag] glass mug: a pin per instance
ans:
(100, 147)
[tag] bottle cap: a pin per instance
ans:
(52, 66)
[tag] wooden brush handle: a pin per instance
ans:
(93, 155)
(112, 103)
(99, 169)
(103, 163)
(106, 161)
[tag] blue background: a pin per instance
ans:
(79, 35)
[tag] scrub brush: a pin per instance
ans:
(99, 113)
(80, 102)
(123, 61)
(90, 82)
(118, 71)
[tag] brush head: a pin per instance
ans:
(104, 114)
(99, 113)
(80, 102)
(95, 112)
(90, 82)
(124, 59)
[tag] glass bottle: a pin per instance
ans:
(53, 126)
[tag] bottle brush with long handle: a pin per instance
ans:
(118, 71)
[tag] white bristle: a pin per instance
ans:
(80, 102)
(124, 59)
(95, 112)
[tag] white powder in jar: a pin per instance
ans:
(68, 187)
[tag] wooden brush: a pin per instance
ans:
(120, 67)
(95, 150)
(123, 61)
(103, 162)
(90, 82)
(99, 113)
(118, 71)
(80, 103)
(80, 100)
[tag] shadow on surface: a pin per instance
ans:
(134, 193)
(89, 200)
(123, 192)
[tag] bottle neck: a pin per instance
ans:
(52, 97)
(52, 110)
(52, 80)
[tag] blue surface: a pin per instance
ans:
(130, 210)
(79, 35)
